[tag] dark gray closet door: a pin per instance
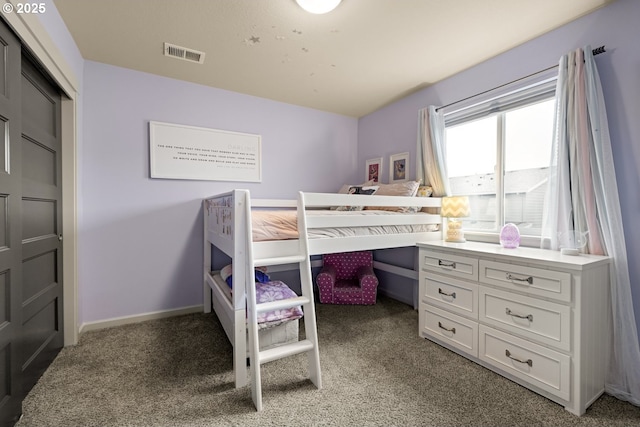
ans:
(30, 225)
(42, 331)
(11, 392)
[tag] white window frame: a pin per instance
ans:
(526, 93)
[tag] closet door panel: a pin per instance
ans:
(41, 223)
(11, 392)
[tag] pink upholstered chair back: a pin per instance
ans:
(346, 264)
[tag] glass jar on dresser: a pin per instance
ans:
(537, 317)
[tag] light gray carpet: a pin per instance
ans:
(376, 372)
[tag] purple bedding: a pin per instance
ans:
(268, 290)
(274, 291)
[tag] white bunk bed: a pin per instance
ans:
(329, 231)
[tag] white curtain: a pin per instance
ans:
(432, 158)
(583, 196)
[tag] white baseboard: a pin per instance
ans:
(125, 320)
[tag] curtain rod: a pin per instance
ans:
(596, 51)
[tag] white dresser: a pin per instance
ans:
(537, 317)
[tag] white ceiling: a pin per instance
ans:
(352, 61)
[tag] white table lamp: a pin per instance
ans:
(453, 208)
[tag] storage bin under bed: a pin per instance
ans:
(277, 335)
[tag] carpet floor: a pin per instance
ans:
(376, 371)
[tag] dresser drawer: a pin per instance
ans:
(532, 280)
(454, 330)
(532, 318)
(534, 364)
(445, 263)
(451, 294)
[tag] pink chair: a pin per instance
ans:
(347, 278)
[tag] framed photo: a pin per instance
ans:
(374, 169)
(399, 167)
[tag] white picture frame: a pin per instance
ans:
(399, 167)
(196, 153)
(373, 170)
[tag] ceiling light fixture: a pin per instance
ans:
(318, 6)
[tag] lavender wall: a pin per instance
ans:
(394, 129)
(140, 238)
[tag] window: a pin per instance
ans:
(498, 155)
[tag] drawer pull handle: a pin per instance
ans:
(452, 330)
(513, 278)
(441, 292)
(528, 361)
(446, 264)
(529, 317)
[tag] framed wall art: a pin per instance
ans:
(373, 169)
(399, 167)
(189, 152)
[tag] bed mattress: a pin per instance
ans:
(282, 225)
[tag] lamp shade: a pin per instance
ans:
(455, 207)
(318, 6)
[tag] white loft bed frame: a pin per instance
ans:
(226, 227)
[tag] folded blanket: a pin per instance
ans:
(275, 291)
(266, 291)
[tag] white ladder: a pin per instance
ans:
(310, 343)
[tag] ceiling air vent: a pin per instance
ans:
(183, 53)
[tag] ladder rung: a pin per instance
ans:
(281, 304)
(284, 351)
(278, 260)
